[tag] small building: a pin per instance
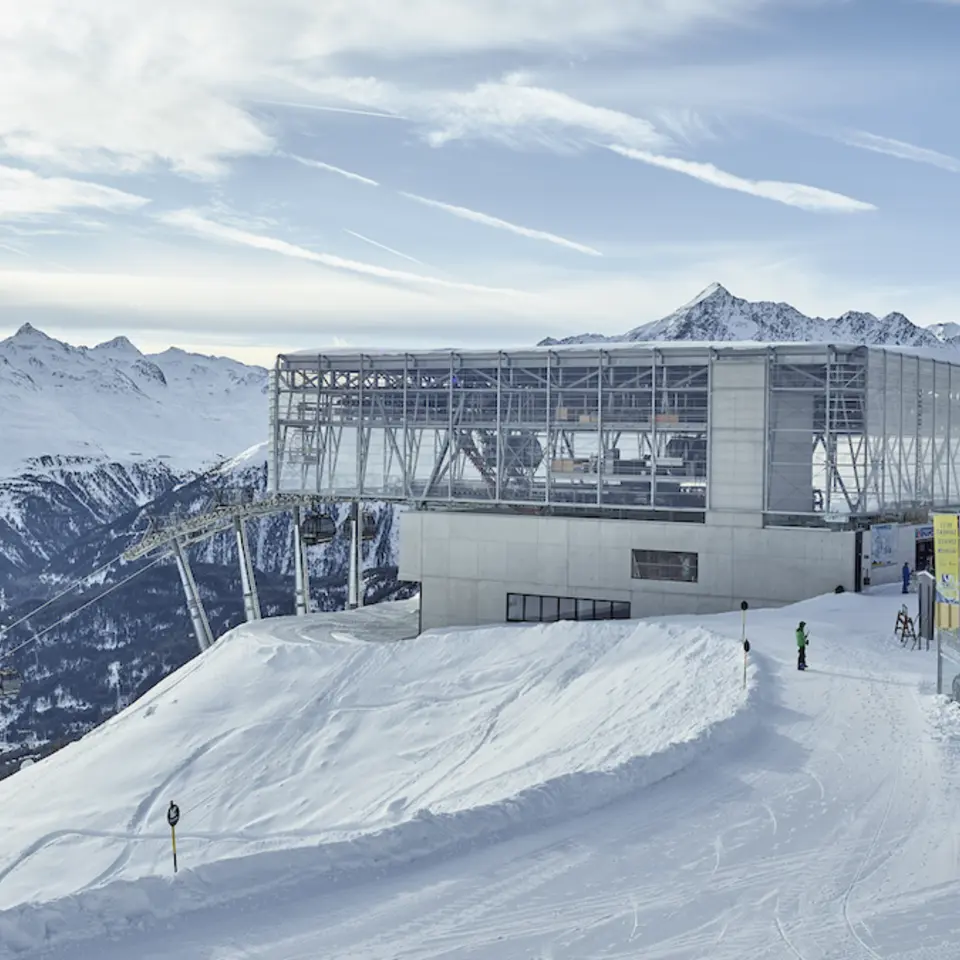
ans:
(626, 479)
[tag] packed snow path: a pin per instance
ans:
(830, 831)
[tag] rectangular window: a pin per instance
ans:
(664, 565)
(550, 609)
(532, 608)
(568, 608)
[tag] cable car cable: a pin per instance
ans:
(4, 630)
(81, 608)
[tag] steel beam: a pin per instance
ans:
(301, 573)
(198, 616)
(248, 579)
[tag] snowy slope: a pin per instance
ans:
(716, 315)
(303, 735)
(65, 519)
(827, 830)
(113, 401)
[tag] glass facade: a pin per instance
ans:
(533, 608)
(623, 430)
(676, 565)
(589, 429)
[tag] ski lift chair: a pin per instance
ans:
(317, 529)
(368, 528)
(10, 683)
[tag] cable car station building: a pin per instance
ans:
(634, 479)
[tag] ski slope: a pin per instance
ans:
(595, 791)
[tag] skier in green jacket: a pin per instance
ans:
(802, 641)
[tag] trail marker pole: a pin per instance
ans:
(743, 637)
(173, 818)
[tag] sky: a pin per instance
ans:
(244, 177)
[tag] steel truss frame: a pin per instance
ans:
(590, 429)
(178, 534)
(614, 428)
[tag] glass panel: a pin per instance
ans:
(602, 609)
(550, 611)
(664, 565)
(584, 609)
(568, 608)
(621, 610)
(514, 607)
(531, 608)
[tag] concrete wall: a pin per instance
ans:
(467, 563)
(791, 454)
(737, 422)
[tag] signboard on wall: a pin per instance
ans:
(883, 545)
(925, 532)
(946, 548)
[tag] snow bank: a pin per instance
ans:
(294, 748)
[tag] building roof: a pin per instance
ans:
(637, 348)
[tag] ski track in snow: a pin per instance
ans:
(825, 832)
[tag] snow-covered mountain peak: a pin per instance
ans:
(30, 338)
(123, 404)
(118, 347)
(715, 292)
(716, 315)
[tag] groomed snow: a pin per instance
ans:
(595, 791)
(293, 735)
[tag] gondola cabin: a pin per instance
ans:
(10, 683)
(318, 528)
(368, 528)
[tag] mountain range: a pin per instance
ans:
(96, 443)
(716, 316)
(112, 401)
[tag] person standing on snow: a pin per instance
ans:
(905, 573)
(802, 641)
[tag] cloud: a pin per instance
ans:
(791, 194)
(383, 246)
(25, 194)
(320, 165)
(900, 148)
(131, 85)
(512, 110)
(194, 222)
(284, 302)
(499, 224)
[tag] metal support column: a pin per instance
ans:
(355, 573)
(301, 575)
(248, 580)
(198, 616)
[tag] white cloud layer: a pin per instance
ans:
(330, 168)
(25, 194)
(791, 194)
(194, 222)
(513, 111)
(900, 149)
(383, 246)
(476, 217)
(124, 85)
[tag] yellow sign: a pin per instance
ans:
(946, 549)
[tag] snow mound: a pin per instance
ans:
(302, 746)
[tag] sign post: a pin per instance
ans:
(173, 818)
(946, 547)
(743, 638)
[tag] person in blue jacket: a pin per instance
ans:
(905, 573)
